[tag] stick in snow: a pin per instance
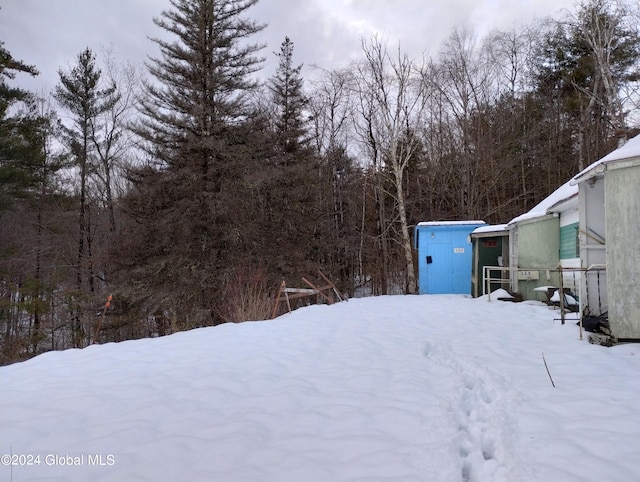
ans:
(548, 373)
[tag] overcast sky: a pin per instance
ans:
(50, 33)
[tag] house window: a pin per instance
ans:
(489, 243)
(569, 241)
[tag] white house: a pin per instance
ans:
(543, 239)
(609, 196)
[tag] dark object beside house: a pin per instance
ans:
(596, 324)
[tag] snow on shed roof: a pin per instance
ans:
(490, 228)
(627, 151)
(449, 223)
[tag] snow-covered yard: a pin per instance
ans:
(399, 388)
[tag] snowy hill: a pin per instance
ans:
(401, 388)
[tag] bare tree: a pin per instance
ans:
(392, 110)
(510, 52)
(611, 36)
(586, 60)
(463, 80)
(109, 133)
(331, 109)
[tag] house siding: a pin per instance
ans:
(622, 201)
(538, 249)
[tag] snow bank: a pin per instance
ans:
(398, 388)
(496, 295)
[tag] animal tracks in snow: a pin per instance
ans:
(477, 405)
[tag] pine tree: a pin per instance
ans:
(183, 203)
(583, 63)
(200, 80)
(80, 94)
(27, 173)
(19, 123)
(287, 90)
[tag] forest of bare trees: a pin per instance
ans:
(140, 201)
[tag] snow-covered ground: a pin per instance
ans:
(399, 388)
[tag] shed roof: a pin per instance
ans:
(491, 228)
(449, 223)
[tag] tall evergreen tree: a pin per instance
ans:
(27, 172)
(200, 79)
(287, 90)
(192, 113)
(19, 122)
(80, 93)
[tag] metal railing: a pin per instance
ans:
(487, 279)
(588, 289)
(590, 283)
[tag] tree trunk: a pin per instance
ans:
(382, 234)
(407, 247)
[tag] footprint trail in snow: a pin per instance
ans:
(477, 407)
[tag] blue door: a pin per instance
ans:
(439, 277)
(444, 256)
(461, 268)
